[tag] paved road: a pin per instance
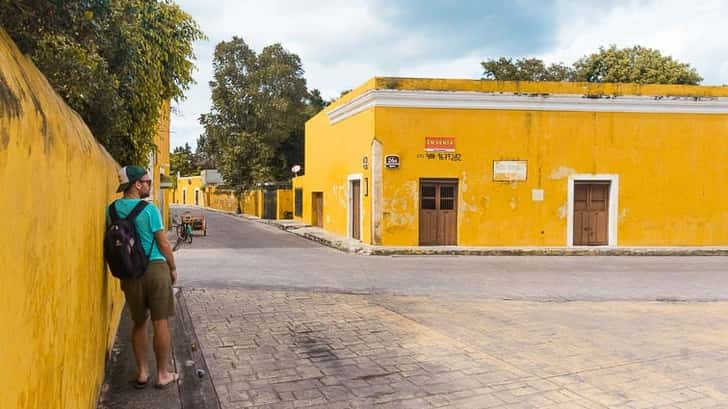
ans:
(451, 332)
(243, 253)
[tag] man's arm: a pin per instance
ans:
(166, 249)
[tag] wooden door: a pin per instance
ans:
(591, 214)
(317, 209)
(355, 205)
(270, 204)
(438, 213)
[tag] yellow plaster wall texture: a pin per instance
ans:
(251, 203)
(668, 168)
(284, 202)
(222, 199)
(161, 165)
(333, 153)
(185, 192)
(60, 307)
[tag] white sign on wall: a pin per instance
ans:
(509, 170)
(391, 161)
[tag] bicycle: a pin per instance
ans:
(184, 231)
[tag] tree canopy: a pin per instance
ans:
(113, 62)
(260, 102)
(525, 69)
(184, 161)
(637, 64)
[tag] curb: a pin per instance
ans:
(366, 249)
(196, 390)
(631, 252)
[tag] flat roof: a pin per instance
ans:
(535, 88)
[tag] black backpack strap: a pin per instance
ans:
(112, 212)
(133, 214)
(136, 210)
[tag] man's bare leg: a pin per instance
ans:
(162, 346)
(139, 344)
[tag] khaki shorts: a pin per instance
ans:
(151, 292)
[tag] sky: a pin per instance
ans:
(344, 43)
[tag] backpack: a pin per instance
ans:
(123, 249)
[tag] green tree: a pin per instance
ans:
(525, 69)
(260, 103)
(113, 62)
(637, 64)
(244, 161)
(183, 160)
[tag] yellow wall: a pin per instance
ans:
(251, 203)
(222, 199)
(184, 194)
(60, 307)
(333, 152)
(162, 197)
(670, 166)
(284, 202)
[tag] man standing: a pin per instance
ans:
(151, 294)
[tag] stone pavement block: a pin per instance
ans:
(364, 350)
(477, 402)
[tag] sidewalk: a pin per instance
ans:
(350, 245)
(194, 389)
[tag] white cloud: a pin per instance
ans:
(690, 32)
(342, 44)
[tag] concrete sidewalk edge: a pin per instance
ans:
(194, 388)
(356, 247)
(197, 390)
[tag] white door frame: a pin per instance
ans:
(613, 205)
(350, 202)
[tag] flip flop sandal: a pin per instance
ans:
(140, 385)
(175, 378)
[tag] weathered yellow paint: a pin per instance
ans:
(284, 204)
(162, 197)
(251, 203)
(60, 307)
(221, 199)
(334, 153)
(184, 194)
(670, 166)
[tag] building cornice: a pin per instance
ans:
(527, 102)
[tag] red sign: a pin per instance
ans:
(439, 144)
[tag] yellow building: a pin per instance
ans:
(159, 165)
(189, 191)
(403, 161)
(271, 201)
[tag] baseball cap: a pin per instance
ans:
(128, 175)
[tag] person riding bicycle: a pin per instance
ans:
(184, 230)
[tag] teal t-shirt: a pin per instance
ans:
(147, 223)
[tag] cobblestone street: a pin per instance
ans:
(278, 349)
